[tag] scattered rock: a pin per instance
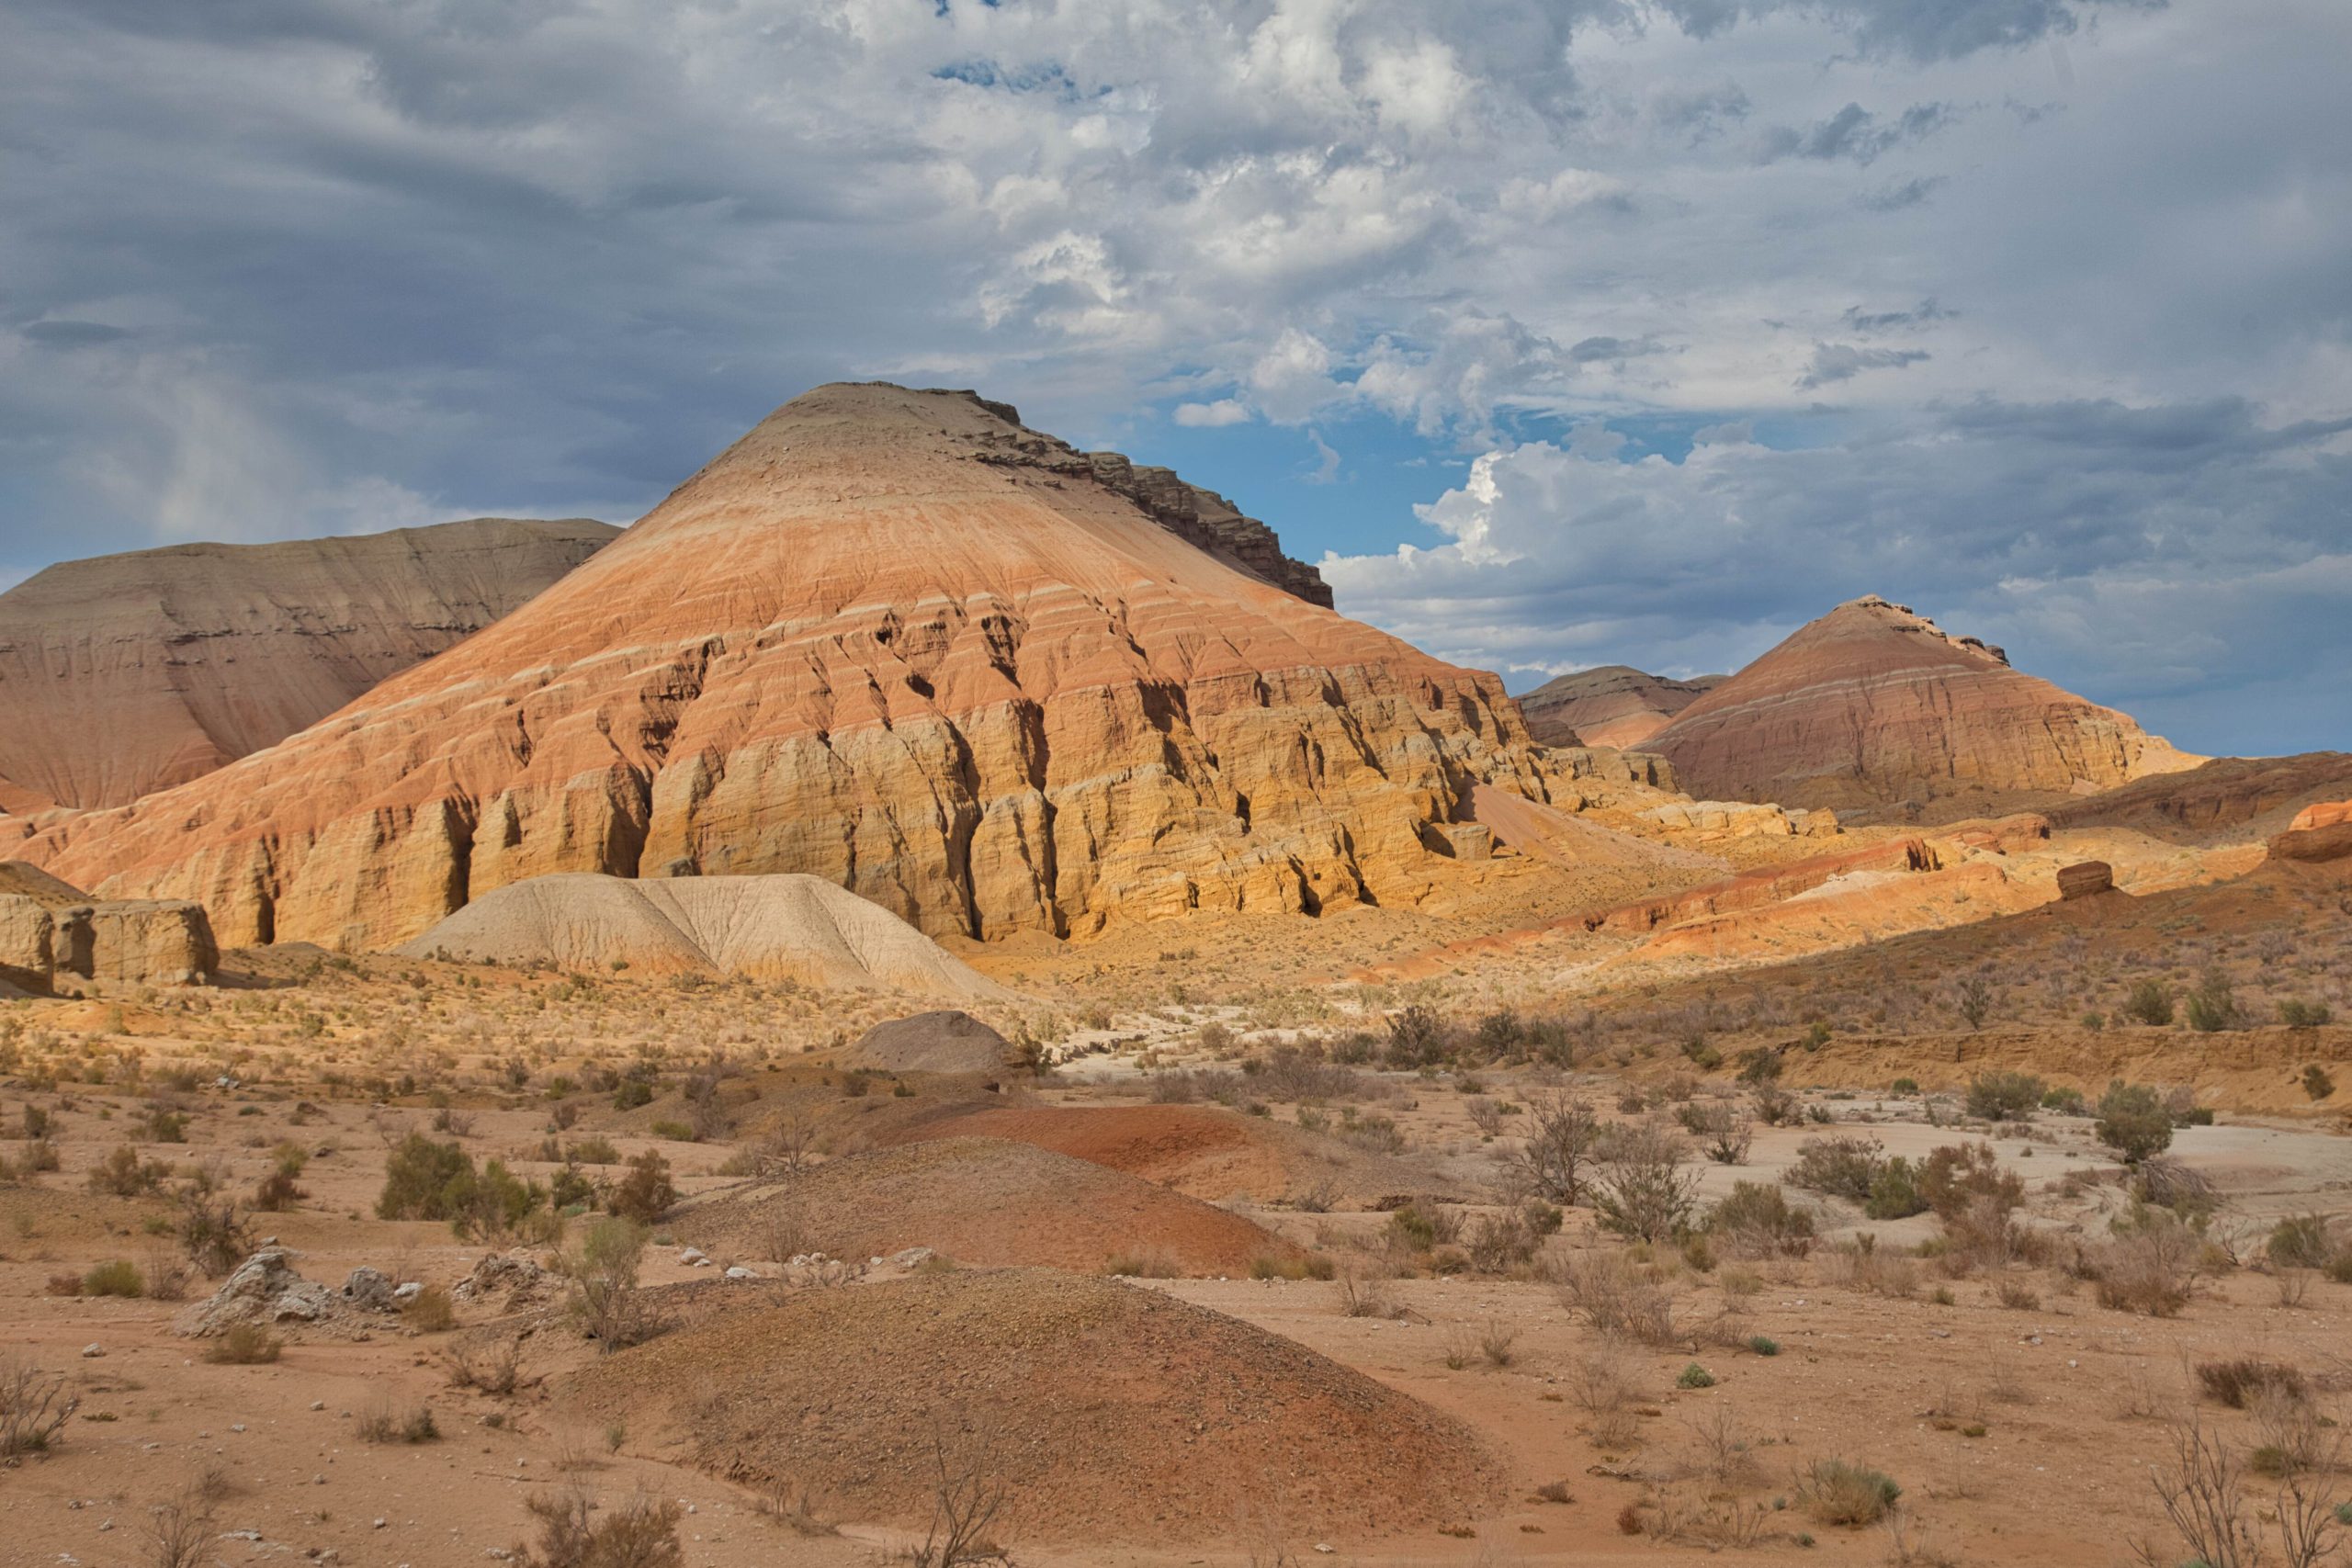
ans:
(371, 1290)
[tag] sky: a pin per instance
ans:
(1597, 332)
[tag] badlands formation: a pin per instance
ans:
(1613, 705)
(1895, 1113)
(1874, 707)
(891, 638)
(127, 675)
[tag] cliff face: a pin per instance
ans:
(891, 638)
(1614, 705)
(1873, 706)
(126, 674)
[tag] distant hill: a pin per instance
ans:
(125, 674)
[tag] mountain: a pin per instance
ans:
(891, 639)
(1874, 707)
(125, 674)
(1613, 705)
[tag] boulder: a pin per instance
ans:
(2086, 878)
(265, 1290)
(518, 1279)
(941, 1042)
(2321, 814)
(370, 1290)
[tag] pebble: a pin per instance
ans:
(93, 1350)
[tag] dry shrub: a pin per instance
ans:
(1694, 1515)
(1604, 1389)
(179, 1529)
(495, 1368)
(2151, 1269)
(1859, 1265)
(1366, 1295)
(382, 1423)
(1839, 1492)
(34, 1407)
(245, 1345)
(2242, 1381)
(1618, 1298)
(640, 1533)
(430, 1311)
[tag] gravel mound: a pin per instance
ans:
(983, 1201)
(1111, 1411)
(779, 927)
(943, 1041)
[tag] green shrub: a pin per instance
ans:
(1841, 1165)
(676, 1131)
(593, 1151)
(2303, 1015)
(425, 1180)
(1695, 1376)
(1903, 1086)
(1894, 1192)
(2297, 1242)
(1764, 1345)
(2316, 1082)
(632, 1093)
(2150, 1003)
(2212, 1005)
(2004, 1096)
(647, 1191)
(2132, 1122)
(2066, 1102)
(119, 1278)
(121, 1174)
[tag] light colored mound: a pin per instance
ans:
(1208, 1151)
(942, 1042)
(1117, 1413)
(988, 1203)
(780, 927)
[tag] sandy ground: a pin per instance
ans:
(2019, 1433)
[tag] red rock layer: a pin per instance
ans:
(1613, 705)
(126, 674)
(1872, 706)
(891, 638)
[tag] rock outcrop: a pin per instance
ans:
(891, 638)
(1613, 705)
(49, 929)
(1872, 706)
(2086, 878)
(126, 674)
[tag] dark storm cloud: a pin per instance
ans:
(281, 268)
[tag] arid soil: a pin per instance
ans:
(1481, 1400)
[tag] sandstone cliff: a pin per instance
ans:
(1614, 705)
(126, 674)
(1874, 707)
(891, 638)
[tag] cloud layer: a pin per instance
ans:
(2033, 312)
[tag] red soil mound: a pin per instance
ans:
(983, 1201)
(1105, 1408)
(1207, 1152)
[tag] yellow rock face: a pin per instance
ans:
(891, 638)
